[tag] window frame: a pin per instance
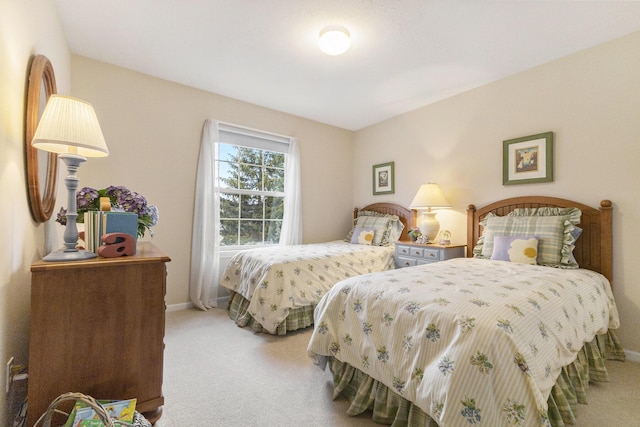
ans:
(254, 139)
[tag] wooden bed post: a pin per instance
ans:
(606, 239)
(471, 210)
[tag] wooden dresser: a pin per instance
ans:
(97, 327)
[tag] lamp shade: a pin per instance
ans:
(70, 126)
(334, 40)
(429, 196)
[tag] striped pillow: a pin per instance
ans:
(548, 229)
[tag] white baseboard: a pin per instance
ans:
(222, 303)
(632, 356)
(181, 306)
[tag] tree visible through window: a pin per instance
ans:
(251, 184)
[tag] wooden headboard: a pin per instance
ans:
(593, 249)
(407, 216)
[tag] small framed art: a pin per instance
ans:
(383, 180)
(528, 159)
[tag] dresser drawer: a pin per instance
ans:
(402, 250)
(410, 254)
(432, 254)
(405, 262)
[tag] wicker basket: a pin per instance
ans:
(101, 412)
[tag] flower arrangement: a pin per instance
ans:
(414, 233)
(122, 200)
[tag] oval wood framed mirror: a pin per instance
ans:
(42, 167)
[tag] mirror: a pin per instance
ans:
(42, 167)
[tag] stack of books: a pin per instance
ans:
(99, 223)
(83, 415)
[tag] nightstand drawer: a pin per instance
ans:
(432, 254)
(410, 254)
(405, 262)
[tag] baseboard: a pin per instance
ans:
(632, 356)
(222, 302)
(181, 306)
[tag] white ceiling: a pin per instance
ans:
(404, 53)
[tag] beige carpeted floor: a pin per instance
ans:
(216, 374)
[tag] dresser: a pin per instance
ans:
(97, 327)
(409, 253)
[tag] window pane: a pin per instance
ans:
(251, 207)
(250, 177)
(250, 156)
(229, 232)
(273, 159)
(228, 173)
(273, 207)
(228, 152)
(274, 179)
(229, 205)
(272, 232)
(250, 232)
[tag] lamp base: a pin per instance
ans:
(63, 255)
(429, 226)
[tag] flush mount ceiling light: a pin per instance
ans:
(334, 40)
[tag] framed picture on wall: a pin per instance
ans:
(383, 180)
(528, 159)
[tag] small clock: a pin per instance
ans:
(445, 237)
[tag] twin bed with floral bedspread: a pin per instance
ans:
(276, 289)
(509, 340)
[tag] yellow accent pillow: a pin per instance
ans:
(519, 249)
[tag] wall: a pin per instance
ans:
(27, 27)
(590, 100)
(153, 129)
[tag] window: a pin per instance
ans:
(250, 184)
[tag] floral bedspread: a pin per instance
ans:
(277, 279)
(470, 341)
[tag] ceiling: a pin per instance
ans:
(404, 53)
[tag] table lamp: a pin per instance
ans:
(69, 127)
(429, 196)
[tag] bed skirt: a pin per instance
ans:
(389, 408)
(298, 318)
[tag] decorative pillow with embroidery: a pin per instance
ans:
(518, 249)
(362, 236)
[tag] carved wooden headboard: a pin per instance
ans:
(407, 216)
(593, 249)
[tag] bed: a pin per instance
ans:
(472, 341)
(276, 289)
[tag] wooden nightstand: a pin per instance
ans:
(410, 253)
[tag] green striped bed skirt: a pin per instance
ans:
(387, 407)
(298, 318)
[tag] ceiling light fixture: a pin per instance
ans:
(334, 40)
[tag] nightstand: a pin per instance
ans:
(410, 253)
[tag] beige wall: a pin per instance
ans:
(591, 101)
(153, 128)
(26, 28)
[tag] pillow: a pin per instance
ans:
(385, 227)
(362, 236)
(571, 217)
(548, 230)
(519, 249)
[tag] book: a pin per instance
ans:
(99, 223)
(83, 415)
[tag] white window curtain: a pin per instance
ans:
(205, 241)
(205, 253)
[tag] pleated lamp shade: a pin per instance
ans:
(70, 126)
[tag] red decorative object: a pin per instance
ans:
(117, 244)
